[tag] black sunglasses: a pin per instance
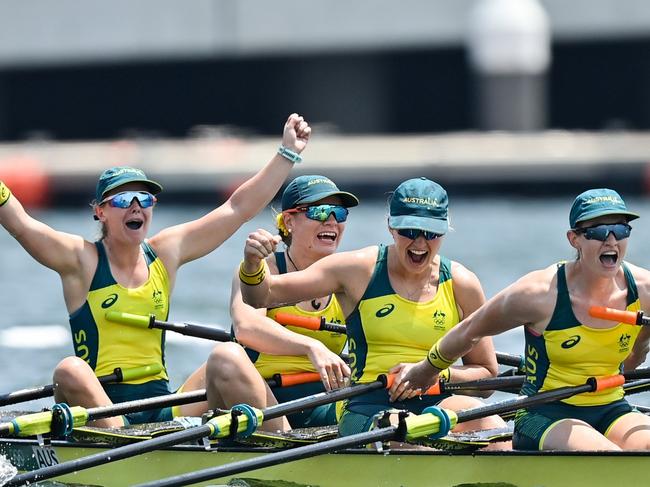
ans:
(413, 233)
(601, 232)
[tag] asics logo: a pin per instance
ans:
(385, 310)
(109, 301)
(571, 342)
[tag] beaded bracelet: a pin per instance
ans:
(436, 359)
(289, 154)
(252, 279)
(5, 193)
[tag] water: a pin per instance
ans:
(498, 239)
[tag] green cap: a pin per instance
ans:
(598, 202)
(117, 176)
(312, 188)
(420, 204)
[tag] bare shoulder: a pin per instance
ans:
(462, 275)
(642, 281)
(350, 258)
(533, 296)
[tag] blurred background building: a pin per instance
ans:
(160, 69)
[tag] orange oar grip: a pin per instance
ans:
(309, 322)
(434, 390)
(609, 382)
(299, 378)
(604, 313)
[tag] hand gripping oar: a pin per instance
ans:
(243, 420)
(118, 375)
(319, 323)
(433, 421)
(189, 329)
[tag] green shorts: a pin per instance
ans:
(359, 412)
(531, 425)
(324, 415)
(132, 392)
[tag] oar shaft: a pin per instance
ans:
(383, 434)
(122, 408)
(511, 360)
(189, 329)
(497, 383)
(118, 375)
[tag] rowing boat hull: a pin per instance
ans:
(354, 467)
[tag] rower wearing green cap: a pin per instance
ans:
(127, 272)
(311, 225)
(565, 345)
(398, 299)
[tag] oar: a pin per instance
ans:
(288, 380)
(309, 322)
(67, 417)
(629, 317)
(432, 422)
(319, 323)
(189, 329)
(218, 427)
(118, 375)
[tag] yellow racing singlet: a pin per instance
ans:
(567, 353)
(268, 365)
(106, 345)
(386, 329)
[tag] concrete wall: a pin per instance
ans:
(40, 32)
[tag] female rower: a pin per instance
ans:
(398, 299)
(311, 226)
(564, 344)
(125, 271)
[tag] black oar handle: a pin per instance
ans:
(193, 330)
(189, 329)
(497, 383)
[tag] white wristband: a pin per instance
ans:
(289, 154)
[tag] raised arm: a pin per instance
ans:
(189, 241)
(61, 252)
(345, 274)
(254, 329)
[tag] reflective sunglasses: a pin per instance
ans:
(125, 198)
(321, 213)
(413, 233)
(601, 232)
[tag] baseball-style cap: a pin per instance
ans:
(598, 202)
(312, 188)
(117, 176)
(420, 204)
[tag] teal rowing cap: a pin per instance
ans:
(308, 189)
(117, 176)
(420, 204)
(598, 202)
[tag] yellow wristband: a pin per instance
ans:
(436, 359)
(5, 193)
(252, 279)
